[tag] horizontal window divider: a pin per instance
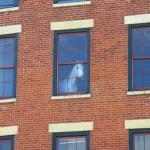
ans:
(75, 96)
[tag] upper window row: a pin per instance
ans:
(14, 3)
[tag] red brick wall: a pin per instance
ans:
(109, 104)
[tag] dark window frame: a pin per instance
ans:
(15, 64)
(132, 132)
(57, 1)
(55, 61)
(130, 56)
(16, 3)
(8, 138)
(71, 134)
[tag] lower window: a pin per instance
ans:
(140, 139)
(71, 141)
(7, 143)
(8, 66)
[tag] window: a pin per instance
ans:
(72, 62)
(139, 58)
(8, 54)
(7, 143)
(8, 3)
(140, 139)
(69, 1)
(71, 141)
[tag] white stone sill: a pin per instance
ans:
(11, 100)
(138, 92)
(71, 97)
(72, 4)
(9, 9)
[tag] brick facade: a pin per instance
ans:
(109, 105)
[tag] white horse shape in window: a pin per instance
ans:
(69, 85)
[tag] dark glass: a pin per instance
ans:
(65, 1)
(7, 3)
(72, 47)
(5, 145)
(72, 78)
(71, 143)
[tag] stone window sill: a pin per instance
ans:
(9, 9)
(138, 92)
(11, 100)
(71, 97)
(72, 4)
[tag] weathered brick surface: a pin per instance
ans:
(109, 105)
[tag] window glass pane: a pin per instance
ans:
(71, 144)
(1, 89)
(137, 50)
(8, 89)
(147, 142)
(81, 144)
(72, 47)
(9, 61)
(2, 62)
(61, 144)
(138, 34)
(6, 2)
(5, 145)
(139, 142)
(72, 78)
(2, 73)
(138, 74)
(10, 45)
(9, 75)
(63, 1)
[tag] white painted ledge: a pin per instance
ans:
(71, 96)
(11, 100)
(9, 130)
(137, 19)
(9, 9)
(71, 127)
(11, 29)
(138, 92)
(74, 24)
(137, 124)
(72, 4)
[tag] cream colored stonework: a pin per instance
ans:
(72, 4)
(137, 19)
(11, 100)
(137, 124)
(138, 92)
(75, 24)
(71, 127)
(9, 9)
(10, 130)
(11, 29)
(83, 96)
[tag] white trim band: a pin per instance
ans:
(71, 96)
(137, 124)
(10, 130)
(11, 100)
(71, 127)
(72, 4)
(75, 24)
(9, 9)
(11, 29)
(137, 19)
(138, 92)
